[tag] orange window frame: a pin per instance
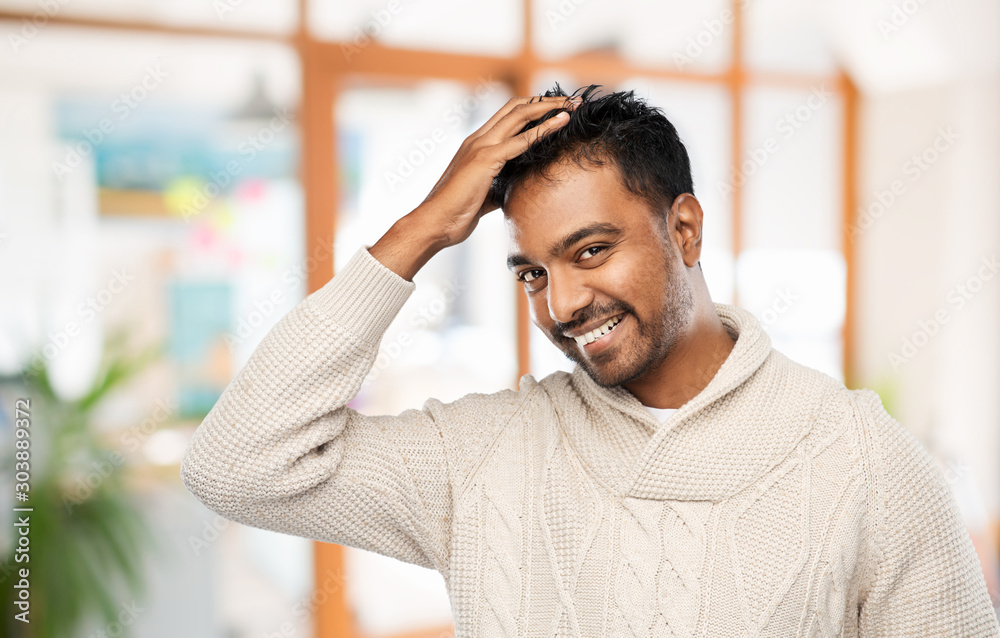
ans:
(326, 72)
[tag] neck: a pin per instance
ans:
(691, 365)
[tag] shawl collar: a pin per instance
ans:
(749, 417)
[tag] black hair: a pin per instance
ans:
(618, 127)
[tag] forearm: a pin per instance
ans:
(259, 436)
(408, 245)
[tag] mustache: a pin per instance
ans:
(590, 313)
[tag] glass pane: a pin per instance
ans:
(392, 598)
(787, 35)
(791, 169)
(394, 144)
(147, 68)
(274, 16)
(792, 273)
(799, 296)
(132, 205)
(445, 25)
(683, 36)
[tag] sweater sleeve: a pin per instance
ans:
(281, 451)
(925, 577)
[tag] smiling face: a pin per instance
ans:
(604, 279)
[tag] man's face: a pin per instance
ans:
(593, 256)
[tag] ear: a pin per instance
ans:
(686, 227)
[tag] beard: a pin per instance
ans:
(651, 341)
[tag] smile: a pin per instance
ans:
(598, 333)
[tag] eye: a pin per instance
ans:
(530, 276)
(590, 251)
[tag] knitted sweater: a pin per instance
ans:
(776, 502)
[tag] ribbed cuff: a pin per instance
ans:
(364, 296)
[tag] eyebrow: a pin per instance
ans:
(567, 242)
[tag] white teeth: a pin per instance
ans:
(597, 333)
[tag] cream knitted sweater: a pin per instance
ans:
(774, 503)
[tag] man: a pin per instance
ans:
(685, 479)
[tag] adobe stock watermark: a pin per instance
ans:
(126, 617)
(7, 567)
(211, 531)
(424, 147)
(86, 311)
(371, 29)
(265, 307)
(421, 319)
(787, 125)
(558, 16)
(31, 26)
(711, 30)
(914, 168)
(956, 299)
(122, 106)
(223, 8)
(219, 180)
(901, 14)
(783, 301)
(306, 606)
(85, 486)
(955, 471)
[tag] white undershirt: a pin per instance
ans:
(661, 414)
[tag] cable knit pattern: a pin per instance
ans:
(770, 538)
(774, 503)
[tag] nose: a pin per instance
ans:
(567, 293)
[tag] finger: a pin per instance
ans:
(514, 146)
(513, 102)
(514, 122)
(518, 101)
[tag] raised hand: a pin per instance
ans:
(452, 209)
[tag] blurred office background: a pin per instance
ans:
(176, 176)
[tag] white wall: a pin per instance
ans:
(930, 239)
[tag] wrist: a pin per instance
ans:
(424, 230)
(408, 245)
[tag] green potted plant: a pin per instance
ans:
(87, 537)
